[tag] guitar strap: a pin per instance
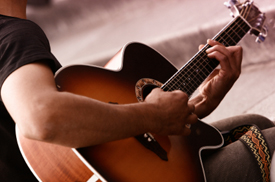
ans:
(252, 137)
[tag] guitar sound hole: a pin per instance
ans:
(147, 90)
(144, 87)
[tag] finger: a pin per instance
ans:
(156, 90)
(213, 42)
(233, 51)
(221, 54)
(201, 46)
(230, 58)
(191, 108)
(186, 131)
(222, 58)
(192, 119)
(218, 47)
(237, 52)
(182, 96)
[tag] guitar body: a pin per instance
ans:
(124, 160)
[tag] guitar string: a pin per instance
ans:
(231, 38)
(197, 80)
(230, 42)
(175, 81)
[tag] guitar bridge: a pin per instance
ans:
(149, 142)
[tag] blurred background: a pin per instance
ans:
(92, 31)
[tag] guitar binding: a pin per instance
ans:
(144, 86)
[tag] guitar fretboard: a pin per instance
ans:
(199, 67)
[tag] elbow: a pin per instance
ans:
(39, 123)
(35, 133)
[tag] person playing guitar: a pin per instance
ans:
(31, 99)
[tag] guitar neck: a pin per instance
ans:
(199, 67)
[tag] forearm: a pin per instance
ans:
(83, 121)
(78, 121)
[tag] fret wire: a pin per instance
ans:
(191, 73)
(226, 40)
(190, 88)
(200, 66)
(203, 71)
(234, 24)
(196, 80)
(185, 74)
(233, 29)
(239, 31)
(193, 81)
(194, 85)
(174, 81)
(238, 28)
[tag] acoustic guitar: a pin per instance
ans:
(146, 157)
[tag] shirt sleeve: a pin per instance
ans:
(23, 42)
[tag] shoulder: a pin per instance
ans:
(16, 29)
(13, 23)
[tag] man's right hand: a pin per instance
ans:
(172, 111)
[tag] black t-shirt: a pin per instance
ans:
(21, 42)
